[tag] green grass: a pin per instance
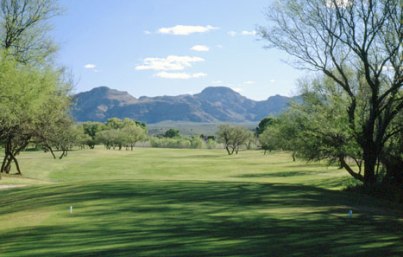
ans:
(166, 202)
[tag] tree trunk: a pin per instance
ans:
(293, 156)
(51, 151)
(370, 159)
(3, 165)
(350, 170)
(16, 164)
(7, 167)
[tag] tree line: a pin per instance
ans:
(115, 133)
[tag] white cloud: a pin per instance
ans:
(183, 30)
(200, 48)
(242, 33)
(249, 82)
(90, 66)
(179, 75)
(232, 33)
(248, 33)
(219, 46)
(272, 81)
(147, 32)
(170, 63)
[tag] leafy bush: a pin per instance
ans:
(177, 142)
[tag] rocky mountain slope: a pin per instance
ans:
(213, 104)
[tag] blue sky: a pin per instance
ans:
(170, 47)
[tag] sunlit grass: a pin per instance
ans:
(167, 202)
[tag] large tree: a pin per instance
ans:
(29, 82)
(358, 44)
(27, 94)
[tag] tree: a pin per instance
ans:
(53, 121)
(120, 133)
(92, 129)
(265, 138)
(114, 123)
(392, 157)
(357, 44)
(233, 137)
(24, 29)
(28, 79)
(134, 133)
(26, 94)
(171, 133)
(284, 133)
(263, 124)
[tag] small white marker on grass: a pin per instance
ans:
(71, 209)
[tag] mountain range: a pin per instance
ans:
(213, 104)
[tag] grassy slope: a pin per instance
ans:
(164, 202)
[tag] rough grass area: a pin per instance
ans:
(165, 202)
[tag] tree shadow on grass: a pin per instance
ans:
(123, 218)
(283, 174)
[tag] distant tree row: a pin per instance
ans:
(173, 139)
(115, 133)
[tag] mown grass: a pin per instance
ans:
(166, 202)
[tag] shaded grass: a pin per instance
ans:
(163, 202)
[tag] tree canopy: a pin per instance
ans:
(233, 137)
(358, 45)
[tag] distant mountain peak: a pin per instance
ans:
(218, 89)
(213, 104)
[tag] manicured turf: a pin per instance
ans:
(165, 202)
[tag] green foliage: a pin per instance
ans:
(114, 123)
(359, 48)
(177, 142)
(34, 94)
(171, 133)
(34, 104)
(263, 124)
(233, 137)
(211, 144)
(119, 133)
(318, 128)
(25, 32)
(92, 129)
